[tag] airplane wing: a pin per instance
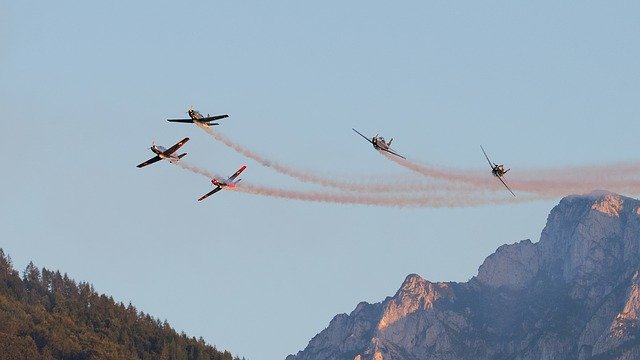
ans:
(232, 177)
(175, 147)
(214, 118)
(150, 161)
(181, 120)
(366, 138)
(394, 153)
(210, 193)
(505, 185)
(485, 155)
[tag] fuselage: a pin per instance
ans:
(194, 114)
(160, 151)
(197, 118)
(224, 184)
(498, 170)
(379, 143)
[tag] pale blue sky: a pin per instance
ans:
(85, 88)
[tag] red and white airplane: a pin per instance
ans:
(197, 118)
(220, 184)
(163, 153)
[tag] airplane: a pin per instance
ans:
(379, 144)
(197, 118)
(220, 184)
(163, 153)
(497, 171)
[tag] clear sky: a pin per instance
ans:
(85, 87)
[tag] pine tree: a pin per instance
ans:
(47, 315)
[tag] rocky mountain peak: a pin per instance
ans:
(415, 294)
(609, 204)
(573, 294)
(584, 235)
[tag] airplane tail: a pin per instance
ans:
(506, 171)
(181, 155)
(389, 143)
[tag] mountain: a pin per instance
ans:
(575, 294)
(46, 315)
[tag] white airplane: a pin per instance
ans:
(379, 143)
(497, 171)
(197, 118)
(220, 184)
(163, 153)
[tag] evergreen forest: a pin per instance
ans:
(46, 315)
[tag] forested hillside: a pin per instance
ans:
(47, 315)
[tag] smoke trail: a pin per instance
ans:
(544, 182)
(408, 200)
(305, 177)
(380, 186)
(197, 170)
(443, 199)
(434, 201)
(444, 174)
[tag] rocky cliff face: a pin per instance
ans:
(574, 294)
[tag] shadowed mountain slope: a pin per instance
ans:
(573, 294)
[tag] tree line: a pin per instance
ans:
(46, 315)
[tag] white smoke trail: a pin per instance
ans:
(432, 172)
(422, 200)
(407, 200)
(197, 170)
(543, 183)
(394, 186)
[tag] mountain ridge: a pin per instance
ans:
(573, 294)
